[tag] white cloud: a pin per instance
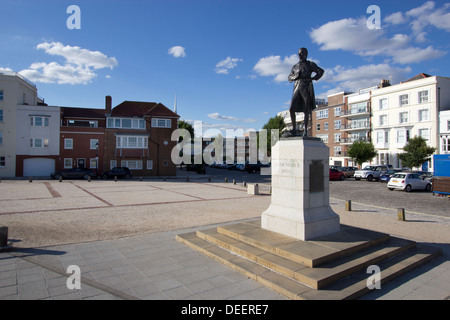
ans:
(274, 66)
(218, 116)
(224, 66)
(78, 68)
(354, 36)
(177, 52)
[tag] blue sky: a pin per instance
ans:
(225, 61)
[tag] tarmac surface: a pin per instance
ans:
(149, 264)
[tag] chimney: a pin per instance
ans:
(108, 105)
(384, 83)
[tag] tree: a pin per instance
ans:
(417, 152)
(276, 123)
(186, 125)
(361, 151)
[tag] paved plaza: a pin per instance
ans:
(122, 234)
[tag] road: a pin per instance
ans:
(370, 193)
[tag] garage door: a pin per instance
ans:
(38, 167)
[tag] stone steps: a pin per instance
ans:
(331, 267)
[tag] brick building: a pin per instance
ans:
(138, 136)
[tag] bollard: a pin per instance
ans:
(253, 189)
(401, 214)
(89, 179)
(234, 181)
(164, 179)
(348, 205)
(209, 179)
(60, 178)
(115, 178)
(244, 184)
(30, 179)
(3, 236)
(226, 179)
(140, 179)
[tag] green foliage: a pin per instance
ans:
(276, 123)
(417, 152)
(185, 125)
(361, 151)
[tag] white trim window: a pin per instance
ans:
(39, 121)
(423, 97)
(125, 123)
(93, 144)
(132, 164)
(337, 111)
(403, 117)
(424, 133)
(112, 164)
(131, 142)
(68, 143)
(149, 164)
(38, 143)
(404, 100)
(93, 163)
(68, 163)
(445, 142)
(383, 120)
(337, 138)
(383, 104)
(161, 123)
(322, 114)
(424, 115)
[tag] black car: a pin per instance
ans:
(199, 168)
(76, 173)
(119, 172)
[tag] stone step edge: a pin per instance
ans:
(316, 278)
(312, 263)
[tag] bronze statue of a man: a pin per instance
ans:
(303, 99)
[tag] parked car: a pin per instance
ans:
(348, 171)
(371, 172)
(119, 172)
(240, 166)
(252, 168)
(335, 174)
(76, 173)
(408, 181)
(388, 174)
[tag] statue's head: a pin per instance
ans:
(303, 54)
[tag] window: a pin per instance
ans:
(68, 163)
(1, 115)
(38, 143)
(383, 120)
(424, 133)
(446, 144)
(112, 164)
(2, 162)
(93, 163)
(382, 137)
(1, 95)
(403, 136)
(423, 115)
(383, 104)
(404, 100)
(82, 123)
(68, 143)
(132, 164)
(1, 138)
(131, 142)
(337, 124)
(149, 164)
(337, 151)
(318, 127)
(38, 121)
(94, 144)
(322, 114)
(325, 126)
(448, 125)
(423, 96)
(337, 137)
(161, 123)
(337, 111)
(403, 117)
(125, 123)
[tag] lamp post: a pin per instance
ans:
(96, 157)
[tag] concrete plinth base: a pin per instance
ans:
(300, 190)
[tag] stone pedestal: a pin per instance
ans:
(300, 190)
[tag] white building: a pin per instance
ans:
(444, 132)
(406, 110)
(28, 128)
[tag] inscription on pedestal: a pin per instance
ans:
(316, 177)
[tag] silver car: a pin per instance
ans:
(408, 181)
